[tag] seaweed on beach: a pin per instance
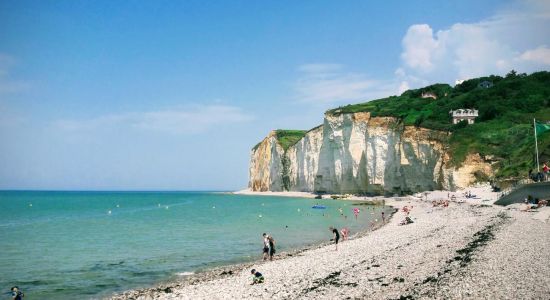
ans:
(481, 238)
(332, 279)
(464, 255)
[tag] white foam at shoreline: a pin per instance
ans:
(185, 273)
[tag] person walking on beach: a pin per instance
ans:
(16, 294)
(336, 237)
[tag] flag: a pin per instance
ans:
(542, 127)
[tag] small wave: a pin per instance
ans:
(185, 273)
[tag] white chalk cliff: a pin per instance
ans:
(357, 153)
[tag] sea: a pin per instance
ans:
(90, 245)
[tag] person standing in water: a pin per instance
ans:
(336, 236)
(266, 246)
(271, 243)
(383, 218)
(16, 294)
(356, 212)
(269, 246)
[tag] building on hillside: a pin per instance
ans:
(429, 95)
(464, 114)
(485, 84)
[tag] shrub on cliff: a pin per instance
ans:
(507, 106)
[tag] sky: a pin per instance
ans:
(172, 95)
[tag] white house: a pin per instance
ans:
(464, 114)
(429, 95)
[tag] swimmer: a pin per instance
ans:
(356, 212)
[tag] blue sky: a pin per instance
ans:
(171, 95)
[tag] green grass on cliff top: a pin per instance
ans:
(503, 132)
(288, 138)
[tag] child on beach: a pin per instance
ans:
(257, 277)
(345, 233)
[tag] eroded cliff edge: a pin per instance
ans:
(357, 153)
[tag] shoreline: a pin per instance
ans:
(453, 252)
(226, 270)
(248, 192)
(482, 195)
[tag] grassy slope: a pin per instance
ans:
(287, 138)
(503, 129)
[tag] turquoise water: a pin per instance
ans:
(87, 245)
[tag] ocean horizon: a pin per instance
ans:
(91, 244)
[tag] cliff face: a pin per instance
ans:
(354, 153)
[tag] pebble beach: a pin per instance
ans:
(468, 250)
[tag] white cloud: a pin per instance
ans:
(419, 47)
(331, 83)
(538, 55)
(191, 120)
(511, 39)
